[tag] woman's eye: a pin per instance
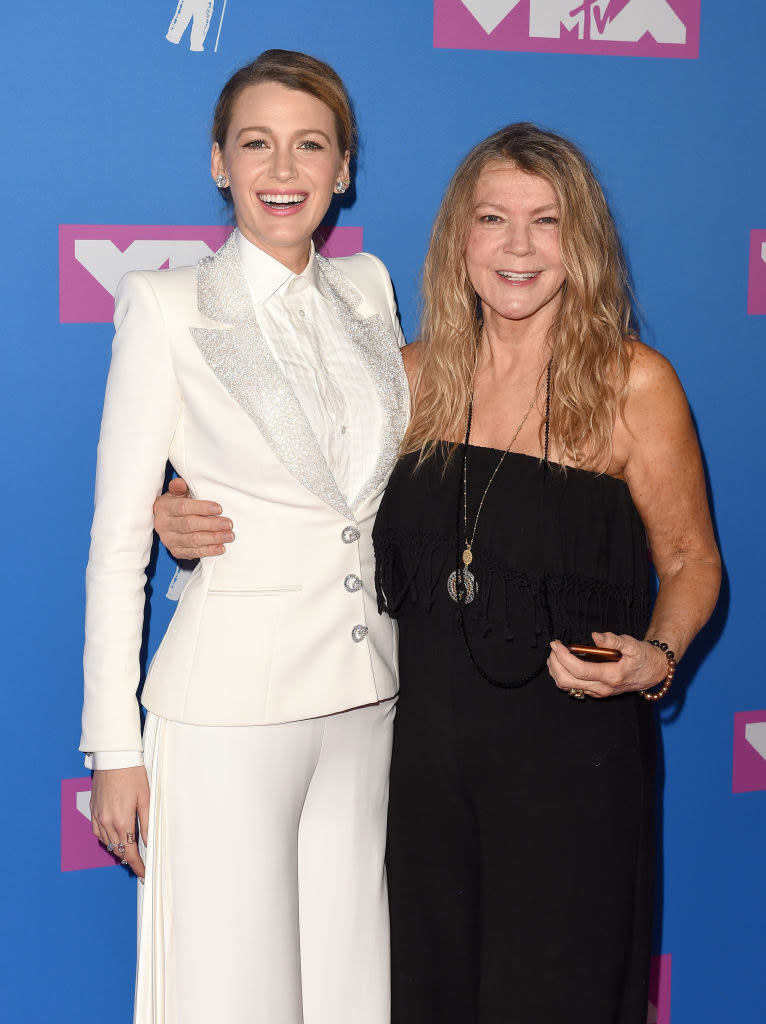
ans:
(311, 144)
(490, 218)
(255, 144)
(548, 220)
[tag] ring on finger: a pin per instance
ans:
(130, 837)
(110, 847)
(121, 848)
(123, 861)
(576, 693)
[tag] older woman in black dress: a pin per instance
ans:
(546, 444)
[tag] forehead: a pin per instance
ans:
(272, 105)
(506, 183)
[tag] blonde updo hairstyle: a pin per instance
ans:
(590, 357)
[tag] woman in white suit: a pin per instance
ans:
(271, 377)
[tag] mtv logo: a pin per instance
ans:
(621, 28)
(93, 258)
(756, 278)
(79, 847)
(749, 763)
(659, 990)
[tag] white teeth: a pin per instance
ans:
(281, 200)
(513, 276)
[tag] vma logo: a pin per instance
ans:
(749, 766)
(79, 847)
(198, 14)
(93, 258)
(756, 285)
(620, 28)
(659, 990)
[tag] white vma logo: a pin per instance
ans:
(755, 732)
(82, 802)
(616, 20)
(107, 264)
(198, 13)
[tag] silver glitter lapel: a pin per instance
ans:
(374, 342)
(242, 362)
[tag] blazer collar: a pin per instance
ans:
(241, 360)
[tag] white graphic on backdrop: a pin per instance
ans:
(107, 264)
(755, 734)
(615, 20)
(200, 14)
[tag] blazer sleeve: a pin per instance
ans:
(142, 407)
(388, 289)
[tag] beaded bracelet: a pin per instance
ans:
(665, 685)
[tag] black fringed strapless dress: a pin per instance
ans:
(520, 854)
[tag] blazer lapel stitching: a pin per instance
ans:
(241, 360)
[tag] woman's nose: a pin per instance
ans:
(518, 240)
(283, 164)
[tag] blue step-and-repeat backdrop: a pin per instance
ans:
(106, 119)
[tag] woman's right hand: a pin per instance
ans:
(118, 796)
(190, 528)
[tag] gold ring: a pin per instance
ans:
(577, 694)
(131, 838)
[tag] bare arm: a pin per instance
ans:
(663, 469)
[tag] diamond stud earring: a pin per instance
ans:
(222, 181)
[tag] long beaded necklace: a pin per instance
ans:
(466, 589)
(462, 580)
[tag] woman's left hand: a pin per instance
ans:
(641, 666)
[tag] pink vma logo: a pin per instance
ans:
(756, 289)
(93, 258)
(749, 765)
(659, 990)
(79, 847)
(618, 28)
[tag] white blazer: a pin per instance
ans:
(277, 629)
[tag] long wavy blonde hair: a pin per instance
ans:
(590, 357)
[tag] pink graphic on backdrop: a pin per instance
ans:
(659, 990)
(618, 28)
(79, 847)
(93, 258)
(756, 282)
(749, 762)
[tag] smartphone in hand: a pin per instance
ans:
(588, 653)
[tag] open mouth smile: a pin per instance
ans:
(517, 277)
(282, 202)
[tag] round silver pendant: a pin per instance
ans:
(468, 583)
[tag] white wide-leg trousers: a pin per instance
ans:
(265, 898)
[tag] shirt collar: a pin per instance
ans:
(265, 276)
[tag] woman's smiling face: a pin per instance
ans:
(282, 160)
(512, 253)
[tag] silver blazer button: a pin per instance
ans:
(350, 534)
(352, 583)
(358, 633)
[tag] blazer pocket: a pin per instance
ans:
(239, 631)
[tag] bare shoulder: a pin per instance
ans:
(651, 374)
(655, 398)
(411, 356)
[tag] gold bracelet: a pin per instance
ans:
(666, 682)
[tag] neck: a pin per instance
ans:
(295, 258)
(509, 347)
